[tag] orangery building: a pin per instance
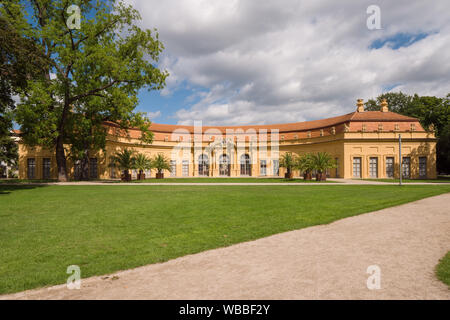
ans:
(364, 144)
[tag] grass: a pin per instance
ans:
(439, 180)
(443, 269)
(24, 181)
(229, 180)
(102, 229)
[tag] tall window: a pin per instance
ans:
(112, 174)
(422, 167)
(276, 167)
(357, 167)
(390, 167)
(336, 160)
(173, 168)
(93, 170)
(263, 166)
(224, 165)
(203, 165)
(46, 165)
(31, 168)
(373, 167)
(185, 168)
(246, 169)
(406, 167)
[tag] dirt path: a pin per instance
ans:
(322, 262)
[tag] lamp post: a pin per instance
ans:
(400, 158)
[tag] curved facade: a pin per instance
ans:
(363, 143)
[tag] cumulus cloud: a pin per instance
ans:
(154, 115)
(271, 61)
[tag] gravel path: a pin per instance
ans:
(321, 262)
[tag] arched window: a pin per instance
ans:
(246, 168)
(203, 165)
(224, 165)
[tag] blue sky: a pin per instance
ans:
(163, 107)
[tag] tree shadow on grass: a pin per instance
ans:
(7, 189)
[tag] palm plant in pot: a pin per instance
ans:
(288, 161)
(142, 163)
(321, 162)
(160, 163)
(305, 165)
(125, 161)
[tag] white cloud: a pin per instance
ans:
(271, 61)
(154, 115)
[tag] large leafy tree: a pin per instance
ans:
(20, 58)
(431, 112)
(94, 72)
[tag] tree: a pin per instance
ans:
(322, 161)
(19, 59)
(288, 161)
(398, 102)
(94, 72)
(125, 161)
(443, 144)
(160, 163)
(141, 163)
(305, 165)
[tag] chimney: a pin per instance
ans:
(360, 105)
(384, 106)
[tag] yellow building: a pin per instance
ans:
(363, 143)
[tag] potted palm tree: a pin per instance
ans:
(160, 163)
(141, 163)
(321, 162)
(288, 161)
(305, 165)
(125, 161)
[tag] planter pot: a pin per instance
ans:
(307, 176)
(141, 176)
(288, 175)
(160, 175)
(321, 176)
(126, 176)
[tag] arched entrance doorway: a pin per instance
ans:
(203, 165)
(246, 168)
(224, 165)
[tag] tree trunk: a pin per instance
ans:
(61, 160)
(60, 153)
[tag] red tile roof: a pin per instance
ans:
(297, 126)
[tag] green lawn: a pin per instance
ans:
(24, 181)
(229, 180)
(410, 180)
(44, 229)
(443, 269)
(182, 180)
